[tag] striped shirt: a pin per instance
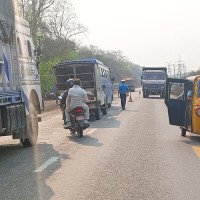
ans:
(76, 97)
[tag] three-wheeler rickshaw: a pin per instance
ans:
(184, 112)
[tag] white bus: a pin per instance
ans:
(20, 91)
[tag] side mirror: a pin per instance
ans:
(141, 77)
(103, 86)
(198, 93)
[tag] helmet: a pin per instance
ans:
(70, 83)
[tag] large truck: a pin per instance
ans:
(130, 83)
(95, 79)
(20, 91)
(153, 81)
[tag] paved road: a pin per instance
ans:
(131, 154)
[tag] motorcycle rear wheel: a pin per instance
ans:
(80, 131)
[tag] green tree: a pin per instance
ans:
(47, 74)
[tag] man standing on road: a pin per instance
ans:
(122, 93)
(76, 97)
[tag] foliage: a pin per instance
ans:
(47, 74)
(193, 73)
(119, 65)
(54, 25)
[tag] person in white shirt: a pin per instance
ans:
(76, 97)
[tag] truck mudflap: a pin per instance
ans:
(94, 109)
(13, 118)
(92, 104)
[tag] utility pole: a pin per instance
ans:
(174, 67)
(181, 68)
(169, 69)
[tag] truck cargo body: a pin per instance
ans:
(94, 78)
(153, 81)
(20, 92)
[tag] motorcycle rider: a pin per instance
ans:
(76, 97)
(70, 84)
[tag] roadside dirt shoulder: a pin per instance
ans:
(50, 105)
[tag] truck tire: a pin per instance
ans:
(109, 105)
(104, 109)
(98, 113)
(183, 132)
(162, 95)
(32, 128)
(144, 96)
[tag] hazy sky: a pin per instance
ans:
(149, 32)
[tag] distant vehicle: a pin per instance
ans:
(95, 79)
(115, 86)
(130, 83)
(20, 91)
(153, 81)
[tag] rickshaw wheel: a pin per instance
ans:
(183, 132)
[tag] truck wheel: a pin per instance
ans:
(162, 95)
(183, 132)
(104, 109)
(144, 96)
(32, 127)
(109, 105)
(98, 113)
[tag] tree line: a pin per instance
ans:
(55, 26)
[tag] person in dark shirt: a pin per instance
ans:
(122, 93)
(70, 84)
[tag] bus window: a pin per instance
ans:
(19, 47)
(198, 89)
(29, 48)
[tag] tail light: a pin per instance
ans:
(78, 110)
(197, 111)
(91, 98)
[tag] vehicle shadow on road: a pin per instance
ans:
(17, 166)
(109, 120)
(86, 141)
(194, 140)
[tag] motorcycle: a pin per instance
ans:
(77, 120)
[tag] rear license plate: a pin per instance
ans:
(92, 105)
(79, 117)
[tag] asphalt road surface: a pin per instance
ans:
(131, 154)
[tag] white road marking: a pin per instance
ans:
(91, 131)
(46, 164)
(109, 117)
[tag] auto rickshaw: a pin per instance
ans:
(183, 112)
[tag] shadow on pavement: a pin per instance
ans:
(86, 140)
(18, 181)
(194, 140)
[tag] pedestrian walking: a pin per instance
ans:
(123, 93)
